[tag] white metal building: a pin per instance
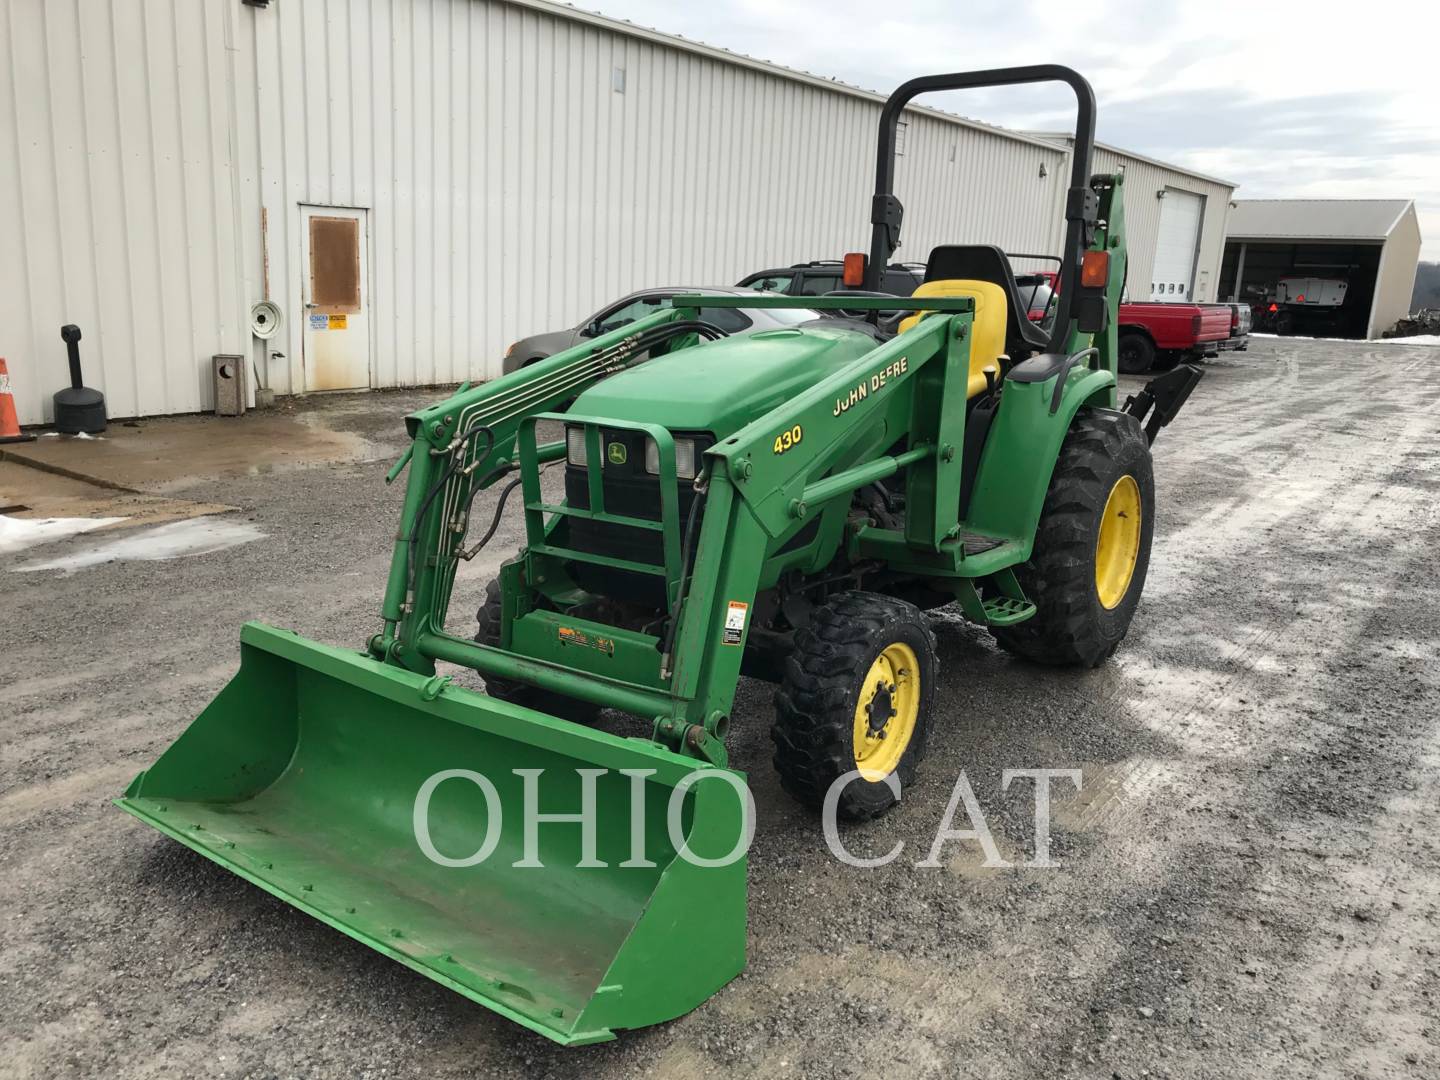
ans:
(1372, 245)
(434, 178)
(1175, 225)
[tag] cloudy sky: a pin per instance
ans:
(1304, 99)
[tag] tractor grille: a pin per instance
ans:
(632, 492)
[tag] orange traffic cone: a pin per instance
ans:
(9, 423)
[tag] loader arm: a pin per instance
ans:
(779, 463)
(468, 442)
(690, 698)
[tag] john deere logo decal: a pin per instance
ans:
(616, 453)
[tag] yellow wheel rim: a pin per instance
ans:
(1118, 546)
(886, 711)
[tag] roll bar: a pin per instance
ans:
(1081, 202)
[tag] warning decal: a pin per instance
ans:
(337, 322)
(734, 623)
(569, 635)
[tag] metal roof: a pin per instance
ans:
(562, 9)
(1315, 219)
(1066, 138)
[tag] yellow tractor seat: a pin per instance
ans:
(987, 336)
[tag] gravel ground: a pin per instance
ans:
(1248, 880)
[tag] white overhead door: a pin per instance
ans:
(1175, 247)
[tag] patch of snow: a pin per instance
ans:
(1302, 337)
(177, 539)
(17, 534)
(1418, 339)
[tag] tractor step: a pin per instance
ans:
(1004, 611)
(976, 543)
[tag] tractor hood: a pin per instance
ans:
(723, 385)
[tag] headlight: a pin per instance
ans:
(575, 446)
(684, 458)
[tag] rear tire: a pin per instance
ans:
(1085, 591)
(1136, 353)
(856, 694)
(488, 633)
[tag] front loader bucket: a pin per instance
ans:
(302, 776)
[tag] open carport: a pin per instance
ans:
(1369, 247)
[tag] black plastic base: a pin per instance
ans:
(80, 410)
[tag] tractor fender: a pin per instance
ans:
(1021, 450)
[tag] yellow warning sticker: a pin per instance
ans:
(735, 614)
(570, 635)
(337, 322)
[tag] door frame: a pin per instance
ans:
(302, 285)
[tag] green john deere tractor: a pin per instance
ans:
(786, 505)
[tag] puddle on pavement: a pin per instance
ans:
(178, 539)
(30, 494)
(165, 454)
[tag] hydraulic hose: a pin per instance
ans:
(646, 341)
(434, 491)
(518, 403)
(521, 400)
(687, 547)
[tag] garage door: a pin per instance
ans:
(1180, 213)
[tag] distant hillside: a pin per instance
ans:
(1427, 287)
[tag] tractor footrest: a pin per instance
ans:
(975, 543)
(1004, 610)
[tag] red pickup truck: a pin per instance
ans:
(1151, 331)
(1148, 331)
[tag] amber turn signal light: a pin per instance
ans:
(854, 275)
(1095, 269)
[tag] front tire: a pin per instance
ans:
(856, 695)
(1092, 547)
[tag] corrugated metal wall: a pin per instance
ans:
(118, 199)
(513, 189)
(510, 187)
(1395, 283)
(1143, 181)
